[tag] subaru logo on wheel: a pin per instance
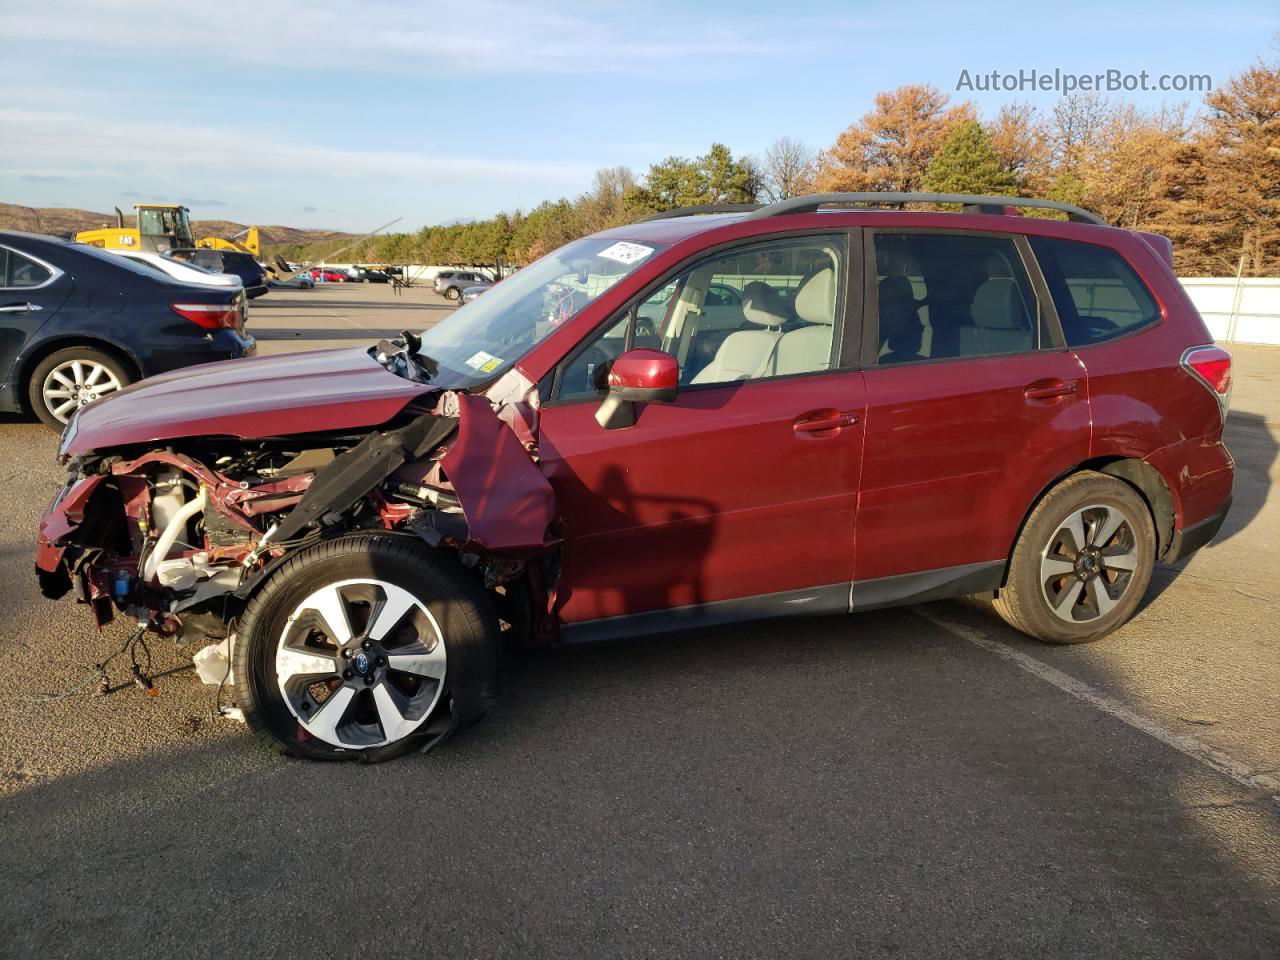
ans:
(362, 663)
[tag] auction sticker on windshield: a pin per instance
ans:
(484, 362)
(626, 253)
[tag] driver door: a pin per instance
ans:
(726, 504)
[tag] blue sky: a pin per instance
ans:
(338, 114)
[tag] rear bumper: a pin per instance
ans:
(1190, 539)
(218, 345)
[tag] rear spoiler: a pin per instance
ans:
(1160, 245)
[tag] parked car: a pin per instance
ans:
(321, 275)
(78, 323)
(903, 406)
(178, 269)
(450, 283)
(241, 264)
(470, 293)
(373, 276)
(301, 281)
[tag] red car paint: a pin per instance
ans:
(505, 498)
(820, 480)
(283, 394)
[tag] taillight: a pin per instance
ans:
(211, 316)
(1211, 365)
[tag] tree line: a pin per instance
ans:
(1210, 181)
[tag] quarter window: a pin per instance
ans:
(761, 311)
(1097, 294)
(951, 296)
(22, 271)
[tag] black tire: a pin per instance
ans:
(60, 359)
(453, 293)
(455, 599)
(1090, 604)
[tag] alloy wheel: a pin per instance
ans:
(71, 385)
(361, 663)
(1088, 563)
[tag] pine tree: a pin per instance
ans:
(967, 162)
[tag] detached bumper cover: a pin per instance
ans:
(1190, 539)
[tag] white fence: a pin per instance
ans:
(1238, 311)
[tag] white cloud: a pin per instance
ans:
(65, 144)
(493, 36)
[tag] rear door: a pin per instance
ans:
(974, 403)
(31, 291)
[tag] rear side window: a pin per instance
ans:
(22, 271)
(952, 297)
(1097, 294)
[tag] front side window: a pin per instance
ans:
(952, 296)
(1097, 294)
(766, 310)
(487, 336)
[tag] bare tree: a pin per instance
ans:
(787, 169)
(602, 206)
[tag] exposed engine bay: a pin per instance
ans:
(178, 534)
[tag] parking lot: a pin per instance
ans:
(920, 782)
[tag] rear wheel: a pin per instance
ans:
(71, 378)
(453, 293)
(1082, 562)
(363, 648)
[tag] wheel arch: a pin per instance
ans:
(28, 364)
(1138, 474)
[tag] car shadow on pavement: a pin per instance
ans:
(1254, 448)
(827, 787)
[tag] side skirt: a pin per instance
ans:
(816, 601)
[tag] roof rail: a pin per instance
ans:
(971, 204)
(705, 208)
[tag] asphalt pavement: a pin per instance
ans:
(922, 782)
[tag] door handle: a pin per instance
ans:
(21, 308)
(1050, 389)
(821, 421)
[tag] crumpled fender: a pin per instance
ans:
(507, 502)
(62, 518)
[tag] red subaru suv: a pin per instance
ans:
(811, 407)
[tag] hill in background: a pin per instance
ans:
(294, 243)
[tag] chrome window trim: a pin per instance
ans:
(54, 272)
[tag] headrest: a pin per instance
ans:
(896, 295)
(997, 304)
(763, 305)
(815, 300)
(900, 326)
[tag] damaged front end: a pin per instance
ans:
(178, 534)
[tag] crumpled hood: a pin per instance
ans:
(254, 397)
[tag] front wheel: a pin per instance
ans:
(1082, 562)
(364, 647)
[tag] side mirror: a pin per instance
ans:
(638, 376)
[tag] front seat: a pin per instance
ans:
(1000, 324)
(745, 354)
(900, 328)
(809, 348)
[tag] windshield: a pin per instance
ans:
(491, 333)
